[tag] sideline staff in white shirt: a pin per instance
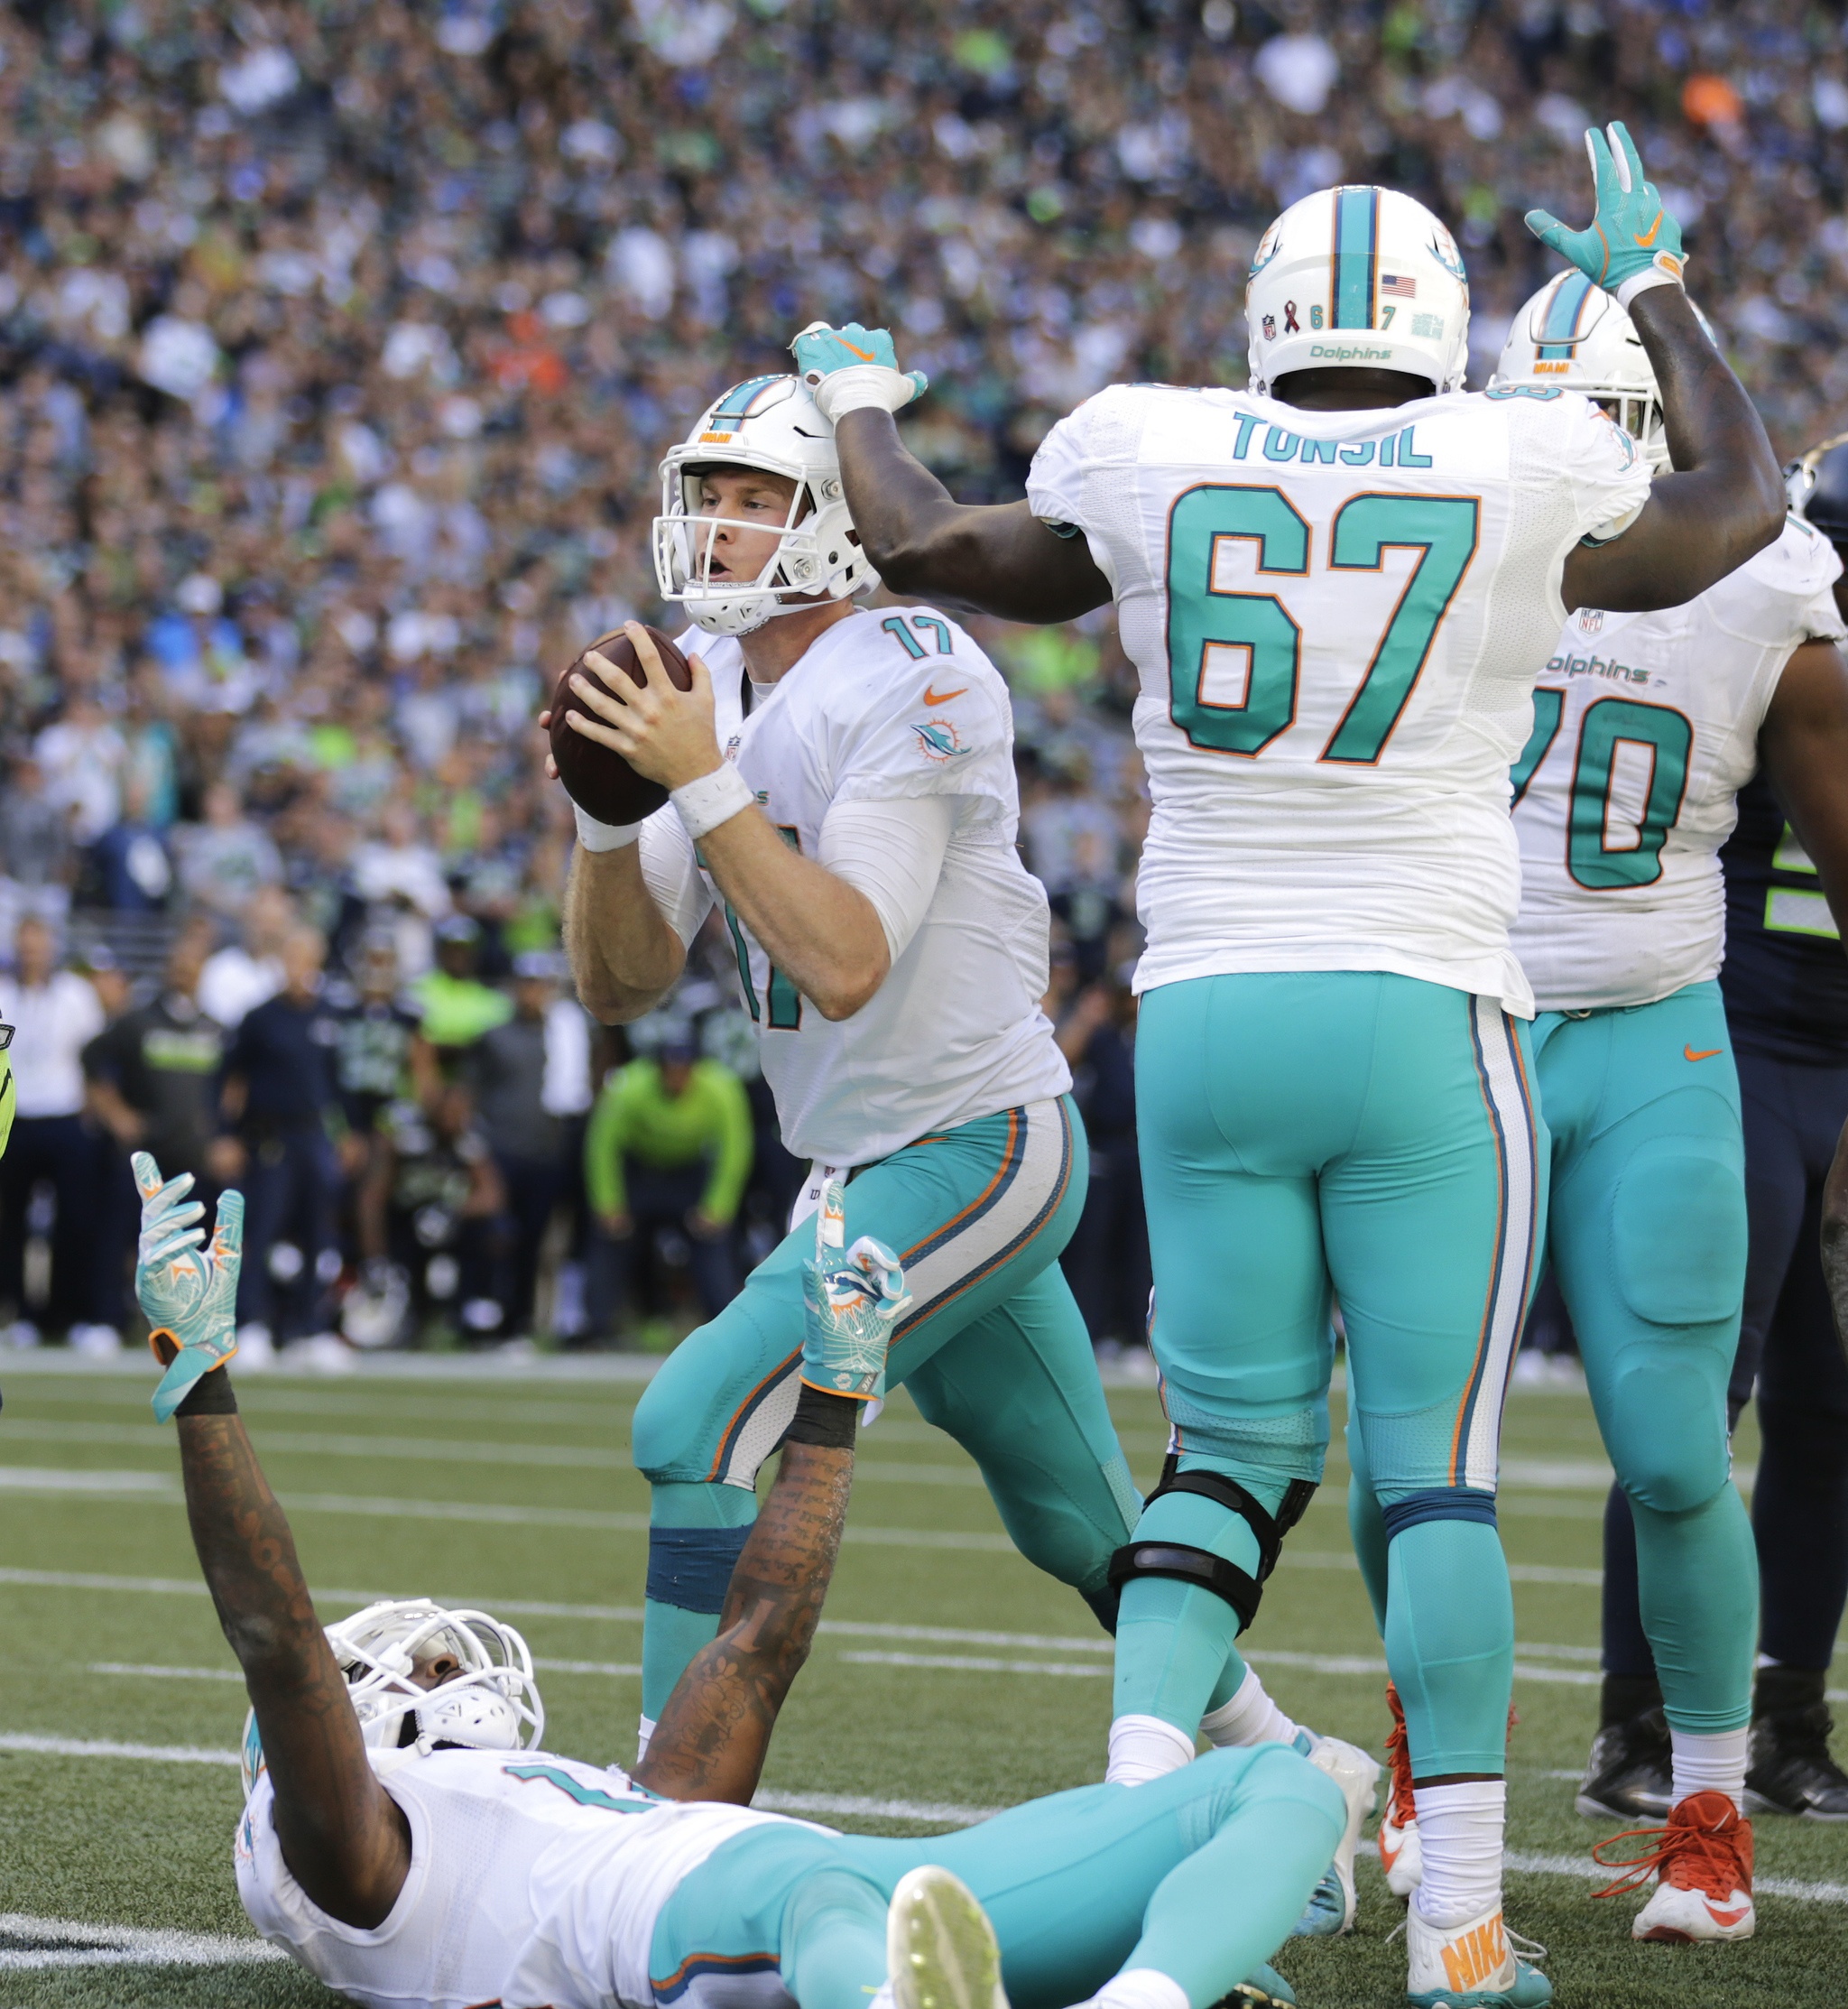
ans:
(55, 1014)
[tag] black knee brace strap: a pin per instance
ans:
(1187, 1564)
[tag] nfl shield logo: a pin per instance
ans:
(1269, 328)
(1591, 619)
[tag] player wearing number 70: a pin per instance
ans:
(1645, 728)
(842, 783)
(1338, 586)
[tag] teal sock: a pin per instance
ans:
(832, 1952)
(1173, 1638)
(1450, 1644)
(1231, 1680)
(695, 1534)
(1697, 1574)
(1226, 1907)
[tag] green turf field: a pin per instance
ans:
(949, 1676)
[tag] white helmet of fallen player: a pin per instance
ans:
(773, 424)
(1575, 335)
(490, 1703)
(1355, 278)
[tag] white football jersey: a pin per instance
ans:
(881, 705)
(535, 1882)
(1645, 729)
(1337, 617)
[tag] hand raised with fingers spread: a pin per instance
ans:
(853, 1299)
(1632, 243)
(853, 368)
(189, 1293)
(666, 734)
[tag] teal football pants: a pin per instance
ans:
(1647, 1232)
(1374, 1133)
(1647, 1237)
(1199, 1875)
(993, 1350)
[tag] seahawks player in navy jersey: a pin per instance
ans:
(1785, 981)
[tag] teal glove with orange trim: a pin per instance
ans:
(853, 369)
(853, 1298)
(189, 1293)
(1633, 243)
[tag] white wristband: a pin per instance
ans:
(712, 800)
(861, 387)
(602, 837)
(1640, 282)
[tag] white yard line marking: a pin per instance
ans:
(447, 1450)
(29, 1943)
(1315, 1663)
(781, 1802)
(157, 1488)
(587, 1667)
(108, 1747)
(974, 1665)
(162, 1673)
(26, 1478)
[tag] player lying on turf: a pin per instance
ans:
(406, 1840)
(843, 785)
(1338, 586)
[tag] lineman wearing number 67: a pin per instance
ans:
(1338, 586)
(842, 786)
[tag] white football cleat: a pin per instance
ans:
(1702, 1863)
(1469, 1966)
(1332, 1907)
(1400, 1855)
(940, 1950)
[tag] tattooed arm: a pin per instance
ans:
(344, 1839)
(714, 1732)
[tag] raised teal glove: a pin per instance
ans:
(853, 369)
(189, 1293)
(851, 1303)
(1633, 242)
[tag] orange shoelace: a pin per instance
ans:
(1405, 1808)
(1398, 1756)
(1705, 1847)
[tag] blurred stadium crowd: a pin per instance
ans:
(338, 343)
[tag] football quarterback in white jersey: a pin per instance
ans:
(1338, 586)
(842, 786)
(407, 1838)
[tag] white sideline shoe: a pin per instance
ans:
(940, 1951)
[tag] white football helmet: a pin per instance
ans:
(1354, 277)
(773, 424)
(1575, 335)
(492, 1705)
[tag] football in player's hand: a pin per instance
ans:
(596, 777)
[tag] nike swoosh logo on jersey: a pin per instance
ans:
(1644, 241)
(941, 697)
(1687, 1053)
